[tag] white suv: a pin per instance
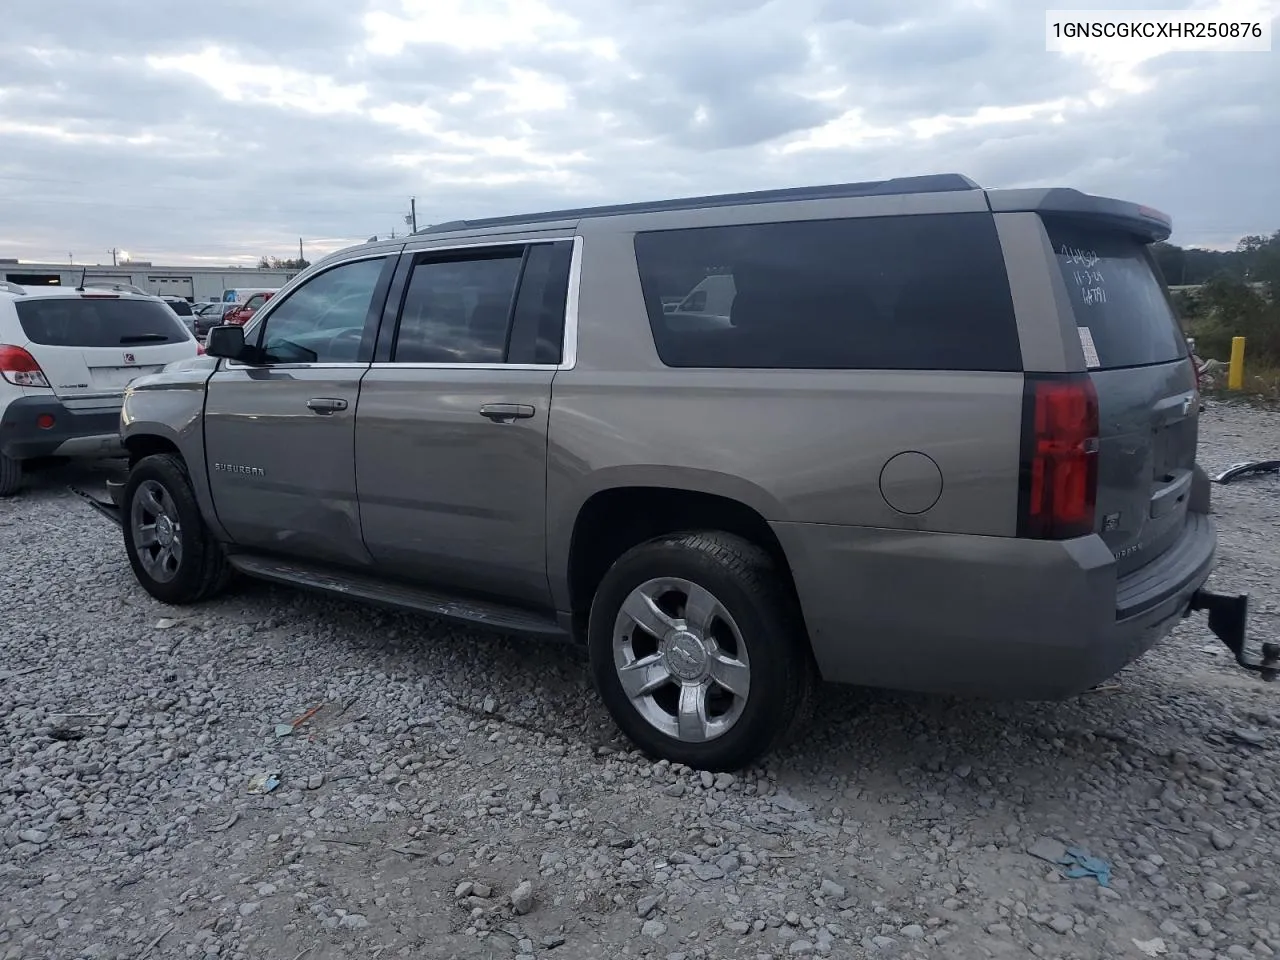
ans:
(66, 356)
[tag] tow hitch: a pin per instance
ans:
(109, 510)
(1229, 620)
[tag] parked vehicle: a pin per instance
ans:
(945, 441)
(182, 309)
(244, 312)
(210, 315)
(242, 294)
(66, 356)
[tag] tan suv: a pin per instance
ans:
(917, 435)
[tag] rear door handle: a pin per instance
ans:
(506, 412)
(326, 405)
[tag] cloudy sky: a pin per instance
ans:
(221, 130)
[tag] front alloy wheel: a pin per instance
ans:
(157, 531)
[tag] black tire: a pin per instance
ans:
(744, 580)
(10, 475)
(202, 571)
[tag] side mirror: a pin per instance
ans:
(225, 340)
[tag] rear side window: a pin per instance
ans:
(180, 307)
(94, 322)
(905, 293)
(537, 332)
(459, 310)
(1121, 308)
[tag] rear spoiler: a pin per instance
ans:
(1145, 223)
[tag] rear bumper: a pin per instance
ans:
(984, 616)
(72, 434)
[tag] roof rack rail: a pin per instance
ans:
(15, 289)
(934, 183)
(118, 286)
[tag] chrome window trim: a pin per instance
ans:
(569, 343)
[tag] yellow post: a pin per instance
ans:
(1235, 373)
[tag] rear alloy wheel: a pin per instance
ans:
(172, 553)
(10, 475)
(698, 652)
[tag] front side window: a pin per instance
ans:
(323, 320)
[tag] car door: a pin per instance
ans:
(451, 428)
(280, 432)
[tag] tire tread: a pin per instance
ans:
(756, 572)
(10, 475)
(214, 570)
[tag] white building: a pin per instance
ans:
(190, 283)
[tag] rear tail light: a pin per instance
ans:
(20, 368)
(199, 349)
(1058, 492)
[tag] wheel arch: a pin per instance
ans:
(615, 518)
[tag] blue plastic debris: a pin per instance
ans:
(1077, 863)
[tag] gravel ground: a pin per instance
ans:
(454, 794)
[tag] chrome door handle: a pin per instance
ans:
(506, 412)
(326, 405)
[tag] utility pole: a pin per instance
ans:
(113, 251)
(71, 259)
(413, 212)
(301, 258)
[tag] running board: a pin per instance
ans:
(400, 596)
(108, 510)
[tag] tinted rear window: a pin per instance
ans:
(73, 322)
(1121, 308)
(181, 307)
(907, 293)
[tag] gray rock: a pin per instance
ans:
(913, 931)
(1215, 891)
(708, 779)
(464, 889)
(831, 890)
(883, 943)
(249, 909)
(522, 897)
(707, 872)
(999, 929)
(354, 921)
(549, 797)
(481, 890)
(1060, 923)
(800, 948)
(1047, 849)
(737, 927)
(1222, 840)
(646, 905)
(33, 836)
(725, 780)
(551, 941)
(653, 929)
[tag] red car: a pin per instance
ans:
(246, 310)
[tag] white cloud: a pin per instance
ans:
(225, 131)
